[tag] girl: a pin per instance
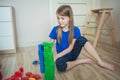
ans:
(69, 42)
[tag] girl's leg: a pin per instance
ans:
(63, 64)
(93, 52)
(72, 64)
(67, 62)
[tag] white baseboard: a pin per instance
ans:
(28, 44)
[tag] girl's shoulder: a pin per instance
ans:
(76, 28)
(55, 27)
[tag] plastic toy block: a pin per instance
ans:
(35, 62)
(41, 57)
(48, 61)
(48, 44)
(28, 74)
(24, 78)
(18, 75)
(21, 69)
(0, 75)
(31, 79)
(40, 52)
(1, 72)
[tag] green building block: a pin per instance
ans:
(48, 61)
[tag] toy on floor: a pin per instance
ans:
(35, 62)
(0, 75)
(18, 75)
(41, 57)
(46, 60)
(0, 72)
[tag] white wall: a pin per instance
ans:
(32, 20)
(115, 4)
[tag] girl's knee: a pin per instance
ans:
(61, 68)
(61, 65)
(81, 41)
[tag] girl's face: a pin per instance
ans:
(63, 21)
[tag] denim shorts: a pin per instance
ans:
(61, 63)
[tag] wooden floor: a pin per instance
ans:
(25, 56)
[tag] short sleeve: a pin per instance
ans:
(53, 33)
(77, 33)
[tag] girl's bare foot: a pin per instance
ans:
(107, 65)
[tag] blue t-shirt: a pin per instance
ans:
(64, 41)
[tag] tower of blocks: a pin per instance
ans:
(46, 60)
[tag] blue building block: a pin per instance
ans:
(41, 57)
(35, 62)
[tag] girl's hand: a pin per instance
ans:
(56, 57)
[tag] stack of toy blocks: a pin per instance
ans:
(41, 57)
(48, 61)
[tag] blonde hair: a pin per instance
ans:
(66, 10)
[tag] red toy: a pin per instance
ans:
(18, 75)
(0, 72)
(24, 78)
(28, 74)
(21, 69)
(0, 75)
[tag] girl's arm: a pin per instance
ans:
(66, 50)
